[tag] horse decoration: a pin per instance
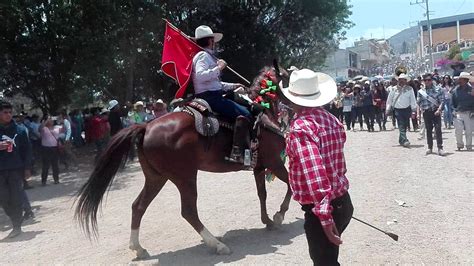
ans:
(170, 148)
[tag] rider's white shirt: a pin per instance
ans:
(206, 74)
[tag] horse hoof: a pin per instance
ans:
(278, 218)
(142, 254)
(271, 226)
(222, 249)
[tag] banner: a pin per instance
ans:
(177, 57)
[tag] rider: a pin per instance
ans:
(208, 86)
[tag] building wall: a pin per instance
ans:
(449, 34)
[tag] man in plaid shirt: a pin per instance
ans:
(430, 103)
(317, 168)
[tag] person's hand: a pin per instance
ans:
(4, 145)
(221, 64)
(437, 113)
(27, 174)
(332, 234)
(240, 90)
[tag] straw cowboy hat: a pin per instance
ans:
(403, 76)
(465, 75)
(310, 89)
(204, 31)
(112, 104)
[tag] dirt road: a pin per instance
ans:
(435, 223)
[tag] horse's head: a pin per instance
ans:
(265, 91)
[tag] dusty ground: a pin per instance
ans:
(435, 226)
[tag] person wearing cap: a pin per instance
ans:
(431, 103)
(402, 100)
(115, 120)
(159, 108)
(315, 148)
(137, 116)
(463, 104)
(392, 86)
(206, 74)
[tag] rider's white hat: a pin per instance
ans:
(309, 88)
(204, 31)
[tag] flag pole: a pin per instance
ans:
(187, 37)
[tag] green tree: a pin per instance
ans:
(59, 52)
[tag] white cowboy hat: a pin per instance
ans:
(139, 103)
(466, 75)
(403, 76)
(159, 101)
(204, 31)
(310, 89)
(112, 104)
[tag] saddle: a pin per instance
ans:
(206, 122)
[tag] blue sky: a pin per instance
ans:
(384, 18)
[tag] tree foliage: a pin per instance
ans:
(59, 52)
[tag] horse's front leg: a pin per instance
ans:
(282, 174)
(259, 174)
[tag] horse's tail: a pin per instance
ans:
(91, 194)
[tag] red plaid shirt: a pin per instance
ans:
(317, 170)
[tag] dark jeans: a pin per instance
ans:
(369, 115)
(357, 117)
(380, 117)
(348, 119)
(11, 195)
(321, 250)
(403, 119)
(50, 157)
(432, 120)
(223, 106)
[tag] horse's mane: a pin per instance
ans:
(265, 73)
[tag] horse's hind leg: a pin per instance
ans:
(188, 191)
(153, 184)
(282, 174)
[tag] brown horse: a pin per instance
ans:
(169, 148)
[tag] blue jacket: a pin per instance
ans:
(20, 157)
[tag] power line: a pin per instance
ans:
(459, 8)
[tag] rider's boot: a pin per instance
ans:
(241, 138)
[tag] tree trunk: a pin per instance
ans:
(130, 75)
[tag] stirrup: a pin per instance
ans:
(236, 155)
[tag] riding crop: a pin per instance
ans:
(391, 235)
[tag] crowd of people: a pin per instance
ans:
(368, 102)
(29, 144)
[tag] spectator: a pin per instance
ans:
(402, 100)
(347, 107)
(380, 101)
(77, 122)
(431, 101)
(137, 116)
(15, 155)
(100, 131)
(447, 87)
(65, 138)
(50, 146)
(357, 107)
(367, 106)
(114, 117)
(463, 103)
(159, 108)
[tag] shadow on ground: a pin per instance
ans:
(25, 236)
(242, 242)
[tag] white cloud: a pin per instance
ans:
(376, 33)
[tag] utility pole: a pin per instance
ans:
(430, 46)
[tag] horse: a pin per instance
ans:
(170, 148)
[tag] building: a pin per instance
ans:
(446, 32)
(372, 52)
(342, 64)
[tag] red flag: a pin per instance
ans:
(177, 58)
